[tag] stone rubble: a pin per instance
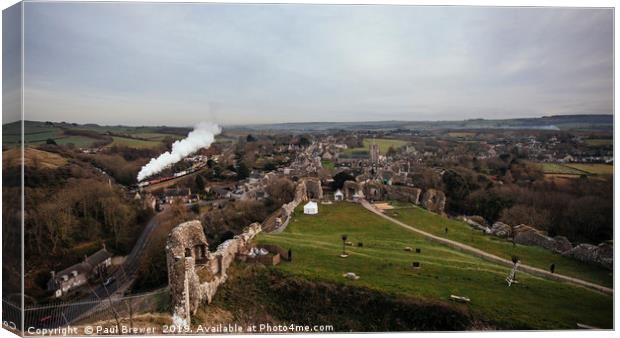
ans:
(501, 229)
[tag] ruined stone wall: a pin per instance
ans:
(306, 189)
(601, 254)
(434, 200)
(301, 195)
(314, 190)
(352, 190)
(403, 193)
(194, 274)
(527, 235)
(373, 190)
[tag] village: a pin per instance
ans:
(357, 167)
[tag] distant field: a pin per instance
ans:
(156, 136)
(462, 134)
(39, 132)
(384, 144)
(568, 170)
(134, 143)
(593, 168)
(78, 141)
(327, 164)
(382, 264)
(598, 142)
(11, 133)
(556, 168)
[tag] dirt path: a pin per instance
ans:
(490, 257)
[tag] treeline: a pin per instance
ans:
(82, 210)
(70, 212)
(513, 191)
(86, 133)
(121, 162)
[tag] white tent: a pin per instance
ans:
(311, 208)
(338, 196)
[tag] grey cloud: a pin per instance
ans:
(172, 63)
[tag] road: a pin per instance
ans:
(490, 257)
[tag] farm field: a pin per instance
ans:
(593, 168)
(156, 136)
(576, 169)
(39, 132)
(599, 142)
(556, 168)
(134, 143)
(382, 264)
(384, 144)
(530, 255)
(78, 141)
(461, 134)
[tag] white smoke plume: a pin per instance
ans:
(201, 137)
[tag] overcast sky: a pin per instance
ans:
(178, 64)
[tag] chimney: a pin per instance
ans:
(53, 273)
(85, 257)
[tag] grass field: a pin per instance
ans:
(599, 142)
(384, 144)
(78, 141)
(36, 132)
(461, 134)
(593, 168)
(156, 136)
(382, 264)
(329, 164)
(39, 133)
(134, 143)
(556, 168)
(530, 255)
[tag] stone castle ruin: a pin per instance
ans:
(352, 191)
(314, 190)
(308, 188)
(403, 193)
(373, 191)
(601, 254)
(195, 273)
(434, 200)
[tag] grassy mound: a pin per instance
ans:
(256, 295)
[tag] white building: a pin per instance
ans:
(338, 195)
(311, 208)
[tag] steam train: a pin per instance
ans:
(175, 175)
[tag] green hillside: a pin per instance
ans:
(383, 264)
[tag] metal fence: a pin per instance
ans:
(59, 314)
(11, 315)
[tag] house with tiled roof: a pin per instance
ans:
(93, 266)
